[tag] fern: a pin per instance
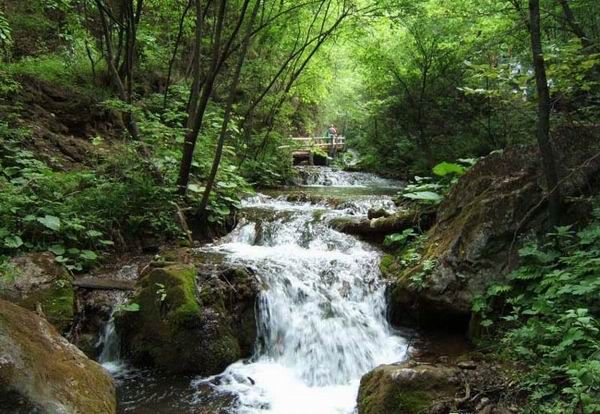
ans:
(552, 323)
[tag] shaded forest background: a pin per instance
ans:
(126, 124)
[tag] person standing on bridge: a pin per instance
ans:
(332, 133)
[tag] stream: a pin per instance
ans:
(321, 316)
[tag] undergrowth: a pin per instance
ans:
(548, 317)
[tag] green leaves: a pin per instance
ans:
(399, 239)
(5, 33)
(50, 222)
(57, 249)
(428, 196)
(88, 255)
(195, 188)
(161, 292)
(446, 168)
(427, 190)
(552, 324)
(128, 307)
(13, 242)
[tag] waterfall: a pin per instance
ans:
(321, 318)
(110, 356)
(325, 176)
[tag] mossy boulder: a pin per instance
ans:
(189, 322)
(476, 237)
(38, 283)
(408, 388)
(41, 370)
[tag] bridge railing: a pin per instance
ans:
(307, 142)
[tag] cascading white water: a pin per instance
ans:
(321, 318)
(326, 176)
(109, 341)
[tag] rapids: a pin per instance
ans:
(321, 315)
(321, 318)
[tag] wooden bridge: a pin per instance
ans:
(311, 149)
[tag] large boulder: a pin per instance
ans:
(38, 283)
(408, 388)
(442, 386)
(40, 370)
(474, 241)
(189, 322)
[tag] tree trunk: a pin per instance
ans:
(192, 136)
(543, 123)
(124, 88)
(574, 24)
(196, 72)
(228, 110)
(174, 55)
(218, 58)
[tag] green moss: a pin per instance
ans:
(38, 356)
(57, 303)
(223, 349)
(391, 390)
(386, 262)
(173, 329)
(379, 394)
(177, 283)
(413, 401)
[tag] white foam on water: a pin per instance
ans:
(321, 318)
(329, 177)
(270, 387)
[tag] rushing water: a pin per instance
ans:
(321, 318)
(110, 357)
(328, 177)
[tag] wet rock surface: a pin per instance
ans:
(408, 388)
(94, 307)
(40, 284)
(439, 387)
(41, 371)
(190, 320)
(474, 241)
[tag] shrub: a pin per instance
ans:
(552, 321)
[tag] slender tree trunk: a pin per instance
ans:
(196, 67)
(132, 15)
(228, 111)
(124, 89)
(543, 123)
(175, 50)
(192, 136)
(574, 24)
(218, 58)
(322, 37)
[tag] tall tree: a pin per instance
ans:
(574, 25)
(544, 108)
(122, 76)
(228, 110)
(220, 50)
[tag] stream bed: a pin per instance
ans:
(321, 315)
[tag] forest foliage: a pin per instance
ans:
(206, 94)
